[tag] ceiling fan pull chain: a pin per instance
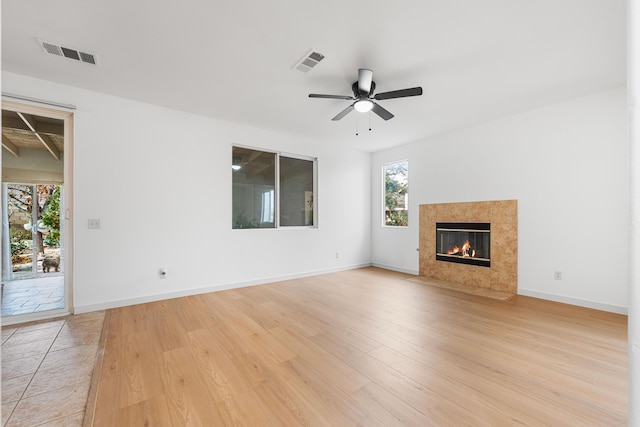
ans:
(356, 127)
(369, 121)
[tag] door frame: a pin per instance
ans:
(67, 116)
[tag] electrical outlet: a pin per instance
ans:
(337, 254)
(93, 224)
(557, 275)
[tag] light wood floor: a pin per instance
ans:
(364, 347)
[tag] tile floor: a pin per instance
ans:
(33, 295)
(47, 368)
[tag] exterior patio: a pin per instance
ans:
(42, 293)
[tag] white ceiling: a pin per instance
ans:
(232, 59)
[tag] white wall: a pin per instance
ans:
(566, 164)
(160, 182)
(139, 168)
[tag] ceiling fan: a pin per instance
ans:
(363, 96)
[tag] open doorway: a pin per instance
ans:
(35, 220)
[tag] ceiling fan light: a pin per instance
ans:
(363, 105)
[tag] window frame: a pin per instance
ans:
(278, 155)
(384, 195)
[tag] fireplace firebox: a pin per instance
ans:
(464, 243)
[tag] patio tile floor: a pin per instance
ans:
(33, 295)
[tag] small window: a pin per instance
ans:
(396, 194)
(272, 190)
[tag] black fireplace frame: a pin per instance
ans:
(470, 226)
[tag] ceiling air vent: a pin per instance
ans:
(309, 61)
(88, 58)
(67, 52)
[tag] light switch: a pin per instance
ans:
(94, 224)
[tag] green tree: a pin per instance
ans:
(51, 218)
(396, 182)
(20, 198)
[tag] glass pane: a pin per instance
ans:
(254, 186)
(296, 192)
(466, 243)
(396, 194)
(32, 273)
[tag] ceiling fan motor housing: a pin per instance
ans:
(359, 94)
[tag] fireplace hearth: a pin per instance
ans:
(464, 243)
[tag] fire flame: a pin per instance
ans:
(466, 250)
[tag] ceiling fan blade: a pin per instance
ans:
(343, 113)
(317, 95)
(384, 114)
(414, 91)
(365, 77)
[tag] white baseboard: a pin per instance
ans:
(575, 301)
(236, 285)
(79, 309)
(394, 268)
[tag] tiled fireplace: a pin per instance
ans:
(471, 245)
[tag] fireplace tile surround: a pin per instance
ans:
(502, 277)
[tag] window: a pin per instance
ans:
(296, 192)
(396, 193)
(272, 190)
(254, 178)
